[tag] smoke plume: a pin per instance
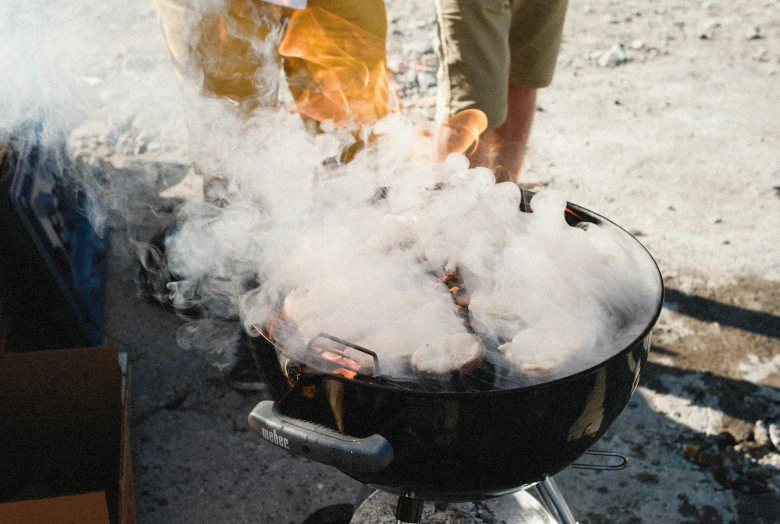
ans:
(352, 249)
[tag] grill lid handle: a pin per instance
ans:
(313, 441)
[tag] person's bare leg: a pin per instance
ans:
(506, 144)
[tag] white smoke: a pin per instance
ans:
(35, 82)
(325, 250)
(351, 250)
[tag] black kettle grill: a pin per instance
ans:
(448, 446)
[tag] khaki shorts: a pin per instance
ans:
(232, 46)
(487, 44)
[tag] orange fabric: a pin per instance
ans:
(335, 69)
(224, 48)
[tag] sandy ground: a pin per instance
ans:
(662, 116)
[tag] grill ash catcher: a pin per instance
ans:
(466, 442)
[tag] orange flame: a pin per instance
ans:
(335, 69)
(345, 373)
(224, 36)
(336, 357)
(462, 131)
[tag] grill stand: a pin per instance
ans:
(547, 507)
(375, 506)
(409, 509)
(553, 500)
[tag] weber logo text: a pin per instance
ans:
(279, 440)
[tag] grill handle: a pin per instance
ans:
(313, 441)
(619, 461)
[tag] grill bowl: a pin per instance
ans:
(455, 446)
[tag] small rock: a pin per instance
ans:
(429, 60)
(753, 33)
(706, 458)
(637, 45)
(762, 55)
(691, 450)
(774, 435)
(419, 47)
(771, 460)
(724, 438)
(707, 30)
(614, 57)
(724, 476)
(396, 65)
(761, 434)
(593, 56)
(426, 80)
(730, 458)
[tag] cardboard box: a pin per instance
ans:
(64, 447)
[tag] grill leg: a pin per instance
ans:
(553, 500)
(409, 509)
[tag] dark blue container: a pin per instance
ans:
(52, 262)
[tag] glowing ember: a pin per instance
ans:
(336, 357)
(438, 357)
